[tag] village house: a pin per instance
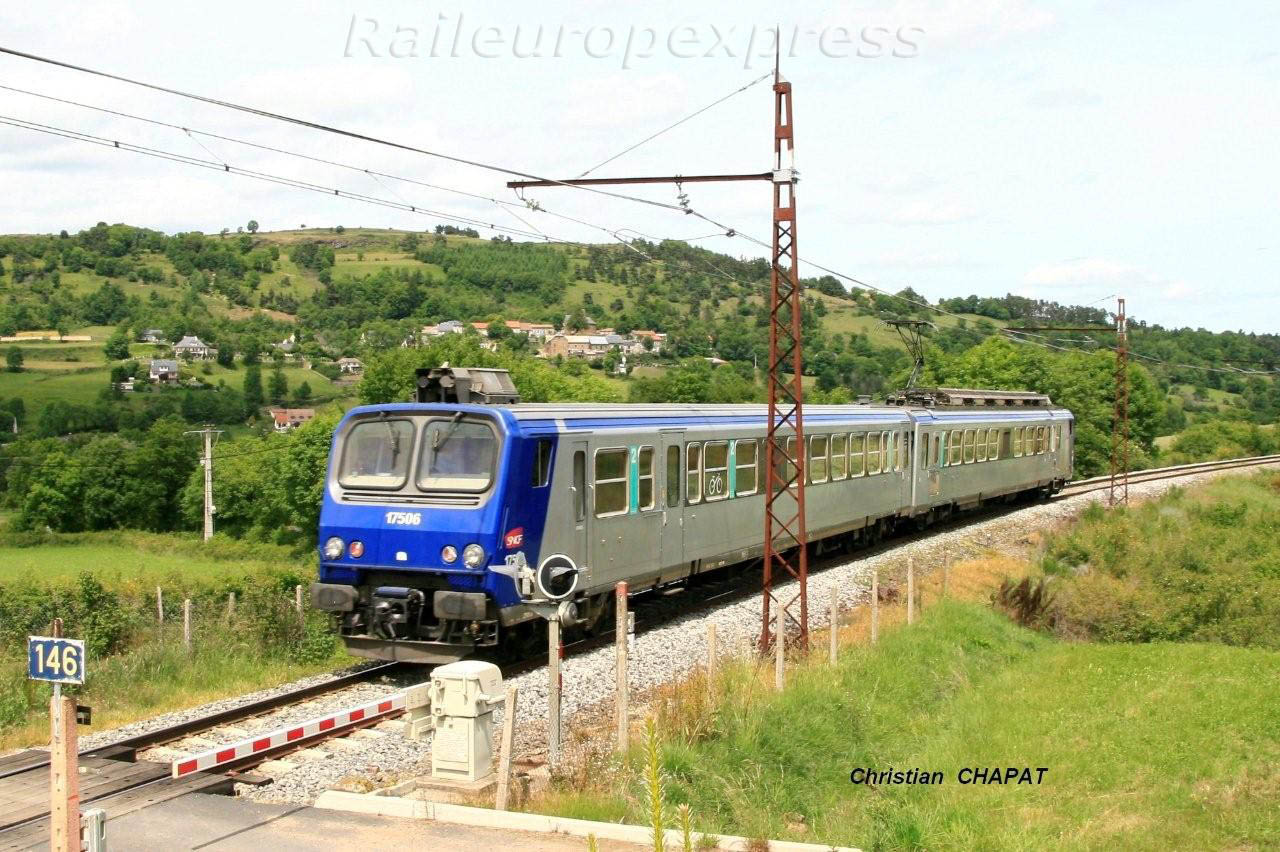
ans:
(353, 366)
(194, 348)
(290, 418)
(153, 335)
(163, 371)
(576, 346)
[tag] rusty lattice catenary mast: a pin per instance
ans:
(785, 536)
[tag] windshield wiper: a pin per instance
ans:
(439, 439)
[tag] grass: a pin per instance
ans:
(1147, 746)
(1151, 745)
(130, 556)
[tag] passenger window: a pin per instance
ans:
(788, 463)
(839, 456)
(873, 453)
(887, 450)
(937, 451)
(857, 454)
(818, 445)
(693, 473)
(980, 450)
(673, 476)
(541, 463)
(1055, 435)
(924, 451)
(580, 485)
(1044, 439)
(993, 444)
(953, 451)
(744, 458)
(968, 446)
(904, 450)
(1017, 442)
(644, 479)
(611, 482)
(715, 474)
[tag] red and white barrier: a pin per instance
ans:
(322, 726)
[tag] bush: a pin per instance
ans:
(1196, 565)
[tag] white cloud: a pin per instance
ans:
(1089, 273)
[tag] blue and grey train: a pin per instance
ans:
(450, 523)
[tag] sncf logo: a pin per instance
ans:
(514, 538)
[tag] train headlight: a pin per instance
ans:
(356, 549)
(333, 548)
(473, 556)
(449, 554)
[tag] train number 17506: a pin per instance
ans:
(407, 519)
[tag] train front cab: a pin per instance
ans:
(415, 513)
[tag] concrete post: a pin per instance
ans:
(875, 606)
(160, 608)
(508, 739)
(186, 624)
(835, 622)
(621, 695)
(712, 653)
(911, 590)
(779, 650)
(555, 684)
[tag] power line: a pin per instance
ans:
(313, 125)
(692, 115)
(267, 177)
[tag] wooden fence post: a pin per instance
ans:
(64, 773)
(186, 623)
(160, 608)
(911, 590)
(297, 599)
(835, 622)
(620, 654)
(875, 605)
(231, 605)
(508, 737)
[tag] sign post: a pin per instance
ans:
(59, 660)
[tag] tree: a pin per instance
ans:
(252, 389)
(279, 384)
(304, 392)
(117, 346)
(13, 359)
(253, 226)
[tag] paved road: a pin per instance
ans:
(226, 824)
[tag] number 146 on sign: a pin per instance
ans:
(55, 659)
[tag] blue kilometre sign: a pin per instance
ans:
(54, 659)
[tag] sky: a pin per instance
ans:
(1069, 151)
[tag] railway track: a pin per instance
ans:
(1102, 483)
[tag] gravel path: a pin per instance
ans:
(659, 655)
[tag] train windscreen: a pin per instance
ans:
(457, 455)
(376, 454)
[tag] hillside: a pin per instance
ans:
(335, 292)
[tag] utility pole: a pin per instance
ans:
(1120, 427)
(786, 551)
(206, 461)
(1119, 482)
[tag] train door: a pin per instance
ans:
(671, 450)
(581, 505)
